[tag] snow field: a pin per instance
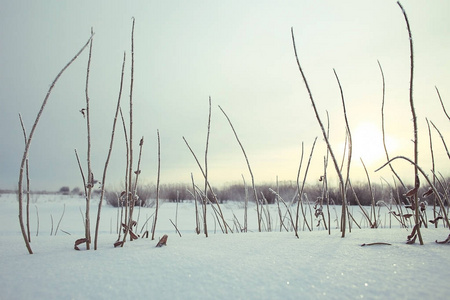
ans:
(268, 265)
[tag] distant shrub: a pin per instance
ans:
(65, 190)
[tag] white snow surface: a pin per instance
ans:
(252, 265)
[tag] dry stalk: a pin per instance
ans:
(245, 203)
(37, 221)
(382, 126)
(414, 118)
(350, 144)
(300, 190)
(433, 170)
(27, 146)
(325, 192)
(442, 139)
(51, 220)
(435, 191)
(216, 201)
(206, 154)
(374, 224)
(300, 201)
(249, 169)
(126, 191)
(60, 219)
(90, 183)
(341, 179)
(27, 171)
(130, 196)
(349, 135)
(442, 103)
(157, 186)
(360, 206)
(278, 207)
(194, 195)
(109, 155)
(287, 209)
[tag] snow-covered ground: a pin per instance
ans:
(268, 265)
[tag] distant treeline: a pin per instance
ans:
(288, 191)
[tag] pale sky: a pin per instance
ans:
(238, 52)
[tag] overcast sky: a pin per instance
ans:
(238, 52)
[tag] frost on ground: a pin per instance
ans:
(269, 265)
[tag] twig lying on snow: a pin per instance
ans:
(378, 243)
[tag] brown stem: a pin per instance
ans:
(90, 176)
(382, 126)
(109, 155)
(433, 170)
(130, 198)
(27, 168)
(205, 227)
(27, 146)
(336, 166)
(157, 186)
(414, 118)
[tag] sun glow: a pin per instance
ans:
(367, 143)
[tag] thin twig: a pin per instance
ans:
(442, 139)
(60, 219)
(442, 103)
(249, 169)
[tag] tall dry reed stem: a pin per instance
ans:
(433, 170)
(245, 203)
(341, 179)
(29, 139)
(249, 169)
(383, 127)
(349, 134)
(129, 195)
(206, 165)
(89, 170)
(414, 118)
(194, 195)
(300, 190)
(350, 145)
(124, 195)
(109, 154)
(157, 186)
(374, 224)
(300, 202)
(81, 172)
(27, 171)
(325, 192)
